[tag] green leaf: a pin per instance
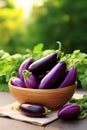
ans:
(38, 48)
(37, 51)
(84, 82)
(4, 87)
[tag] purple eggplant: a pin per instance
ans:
(54, 76)
(70, 78)
(33, 110)
(69, 112)
(30, 79)
(40, 77)
(44, 64)
(17, 82)
(24, 66)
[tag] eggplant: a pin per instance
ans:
(70, 78)
(44, 64)
(69, 112)
(24, 66)
(41, 76)
(33, 110)
(30, 79)
(53, 77)
(17, 82)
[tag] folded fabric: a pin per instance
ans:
(8, 111)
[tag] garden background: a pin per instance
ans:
(32, 26)
(49, 21)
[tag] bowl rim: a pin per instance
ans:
(39, 90)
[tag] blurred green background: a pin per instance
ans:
(48, 22)
(26, 24)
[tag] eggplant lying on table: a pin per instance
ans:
(69, 112)
(33, 110)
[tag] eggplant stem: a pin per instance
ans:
(59, 45)
(26, 74)
(83, 115)
(47, 110)
(59, 52)
(15, 107)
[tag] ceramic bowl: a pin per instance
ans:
(51, 98)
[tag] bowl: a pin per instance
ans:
(51, 98)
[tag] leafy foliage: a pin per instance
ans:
(9, 65)
(79, 60)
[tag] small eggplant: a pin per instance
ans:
(30, 80)
(53, 77)
(69, 112)
(24, 66)
(33, 110)
(44, 64)
(17, 82)
(70, 78)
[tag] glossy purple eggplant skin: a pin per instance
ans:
(17, 82)
(34, 78)
(24, 66)
(32, 110)
(53, 77)
(70, 78)
(30, 79)
(44, 64)
(69, 112)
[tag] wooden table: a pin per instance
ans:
(7, 123)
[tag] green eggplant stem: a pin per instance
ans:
(47, 110)
(82, 115)
(59, 52)
(26, 74)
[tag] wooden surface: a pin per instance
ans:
(7, 123)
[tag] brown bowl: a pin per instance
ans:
(52, 98)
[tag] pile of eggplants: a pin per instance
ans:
(46, 73)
